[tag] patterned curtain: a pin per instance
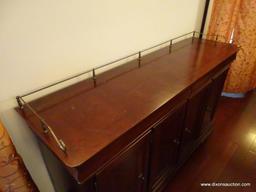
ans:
(13, 174)
(236, 20)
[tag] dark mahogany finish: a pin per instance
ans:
(173, 95)
(229, 153)
(212, 100)
(193, 123)
(166, 141)
(129, 165)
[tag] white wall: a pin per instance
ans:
(42, 41)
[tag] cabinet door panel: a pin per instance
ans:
(165, 145)
(195, 112)
(215, 92)
(128, 172)
(200, 112)
(194, 121)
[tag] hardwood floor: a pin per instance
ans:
(229, 154)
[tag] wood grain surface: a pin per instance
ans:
(89, 119)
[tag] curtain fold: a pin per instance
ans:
(13, 174)
(236, 20)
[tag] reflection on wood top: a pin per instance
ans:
(88, 119)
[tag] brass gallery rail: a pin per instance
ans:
(46, 127)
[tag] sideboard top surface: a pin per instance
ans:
(88, 119)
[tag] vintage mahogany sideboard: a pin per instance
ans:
(138, 125)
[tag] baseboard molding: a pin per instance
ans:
(233, 95)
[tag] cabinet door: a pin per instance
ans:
(128, 172)
(194, 121)
(215, 93)
(165, 145)
(200, 112)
